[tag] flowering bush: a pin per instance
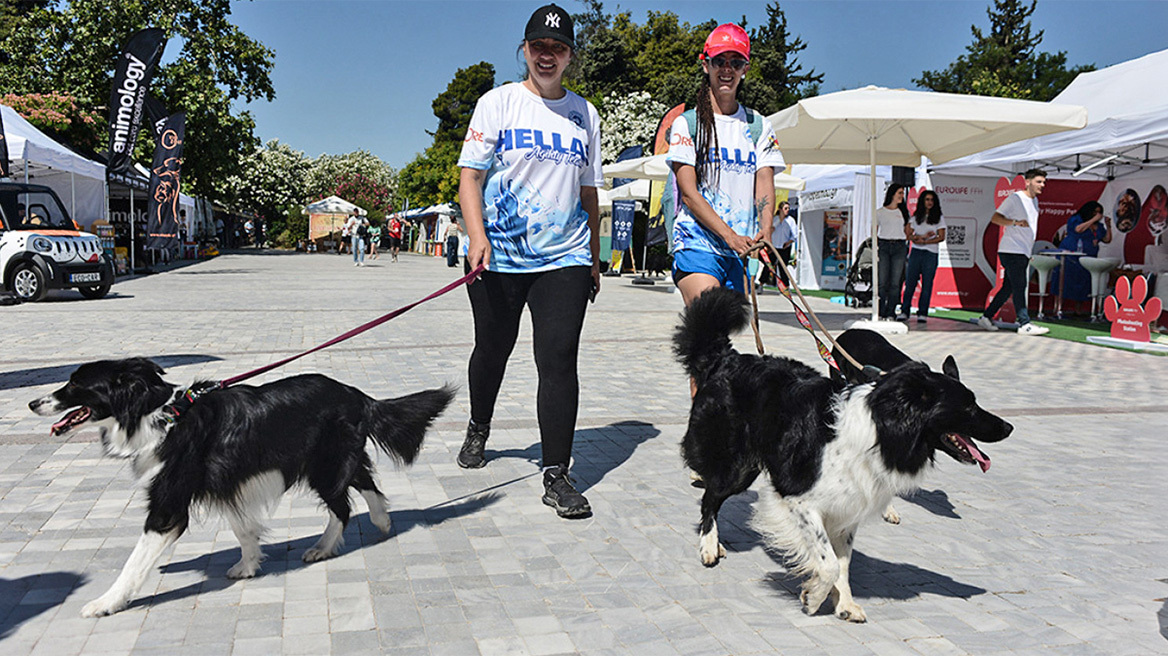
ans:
(627, 120)
(59, 115)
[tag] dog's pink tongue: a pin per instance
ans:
(983, 460)
(76, 416)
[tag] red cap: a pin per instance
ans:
(727, 38)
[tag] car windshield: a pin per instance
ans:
(36, 209)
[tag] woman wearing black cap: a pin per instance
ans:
(530, 168)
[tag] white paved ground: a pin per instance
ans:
(1061, 548)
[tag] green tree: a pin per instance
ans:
(432, 176)
(1006, 62)
(71, 48)
(776, 79)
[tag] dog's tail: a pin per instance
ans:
(398, 425)
(706, 326)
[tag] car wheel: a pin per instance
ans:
(28, 283)
(94, 292)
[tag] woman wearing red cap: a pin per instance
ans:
(723, 157)
(530, 168)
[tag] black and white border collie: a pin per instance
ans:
(236, 451)
(834, 457)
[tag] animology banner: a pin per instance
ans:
(162, 212)
(135, 69)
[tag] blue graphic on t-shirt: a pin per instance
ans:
(527, 233)
(689, 234)
(542, 147)
(735, 164)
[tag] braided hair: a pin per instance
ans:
(706, 139)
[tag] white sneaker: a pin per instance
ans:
(1031, 329)
(986, 323)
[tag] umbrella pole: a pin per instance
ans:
(872, 220)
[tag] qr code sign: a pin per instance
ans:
(955, 235)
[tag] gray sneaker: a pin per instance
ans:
(471, 455)
(559, 493)
(986, 323)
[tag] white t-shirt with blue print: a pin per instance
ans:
(537, 154)
(739, 158)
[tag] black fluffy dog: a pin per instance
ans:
(834, 457)
(236, 451)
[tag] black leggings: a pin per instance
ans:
(557, 300)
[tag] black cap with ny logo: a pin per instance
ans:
(551, 22)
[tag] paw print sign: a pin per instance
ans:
(1127, 313)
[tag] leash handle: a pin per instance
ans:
(369, 325)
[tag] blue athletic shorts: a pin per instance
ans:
(726, 268)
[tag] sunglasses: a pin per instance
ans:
(737, 64)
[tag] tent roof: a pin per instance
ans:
(1127, 127)
(333, 205)
(30, 146)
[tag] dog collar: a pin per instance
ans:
(184, 399)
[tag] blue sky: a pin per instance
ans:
(353, 74)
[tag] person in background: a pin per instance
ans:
(1086, 229)
(892, 249)
(354, 227)
(452, 230)
(785, 230)
(394, 228)
(374, 240)
(530, 167)
(926, 231)
(1018, 218)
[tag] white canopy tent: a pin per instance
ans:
(1127, 128)
(333, 205)
(654, 167)
(36, 158)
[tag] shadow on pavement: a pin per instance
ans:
(47, 592)
(873, 578)
(59, 374)
(283, 557)
(595, 451)
(935, 501)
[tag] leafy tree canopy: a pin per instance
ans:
(1006, 62)
(70, 48)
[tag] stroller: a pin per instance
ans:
(858, 284)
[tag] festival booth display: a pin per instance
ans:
(432, 224)
(326, 217)
(38, 159)
(1119, 159)
(876, 126)
(834, 213)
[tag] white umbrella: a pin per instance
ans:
(875, 125)
(654, 167)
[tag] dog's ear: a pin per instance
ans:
(949, 368)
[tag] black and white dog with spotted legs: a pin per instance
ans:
(835, 457)
(236, 451)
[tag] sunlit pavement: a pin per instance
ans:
(1062, 547)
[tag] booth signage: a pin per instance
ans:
(1129, 315)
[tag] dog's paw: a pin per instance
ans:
(242, 570)
(382, 524)
(101, 607)
(315, 555)
(812, 601)
(711, 551)
(891, 516)
(851, 612)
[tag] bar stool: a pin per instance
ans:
(1099, 268)
(1042, 265)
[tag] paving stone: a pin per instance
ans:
(1048, 552)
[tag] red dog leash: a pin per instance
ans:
(356, 331)
(192, 394)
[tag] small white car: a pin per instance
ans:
(42, 249)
